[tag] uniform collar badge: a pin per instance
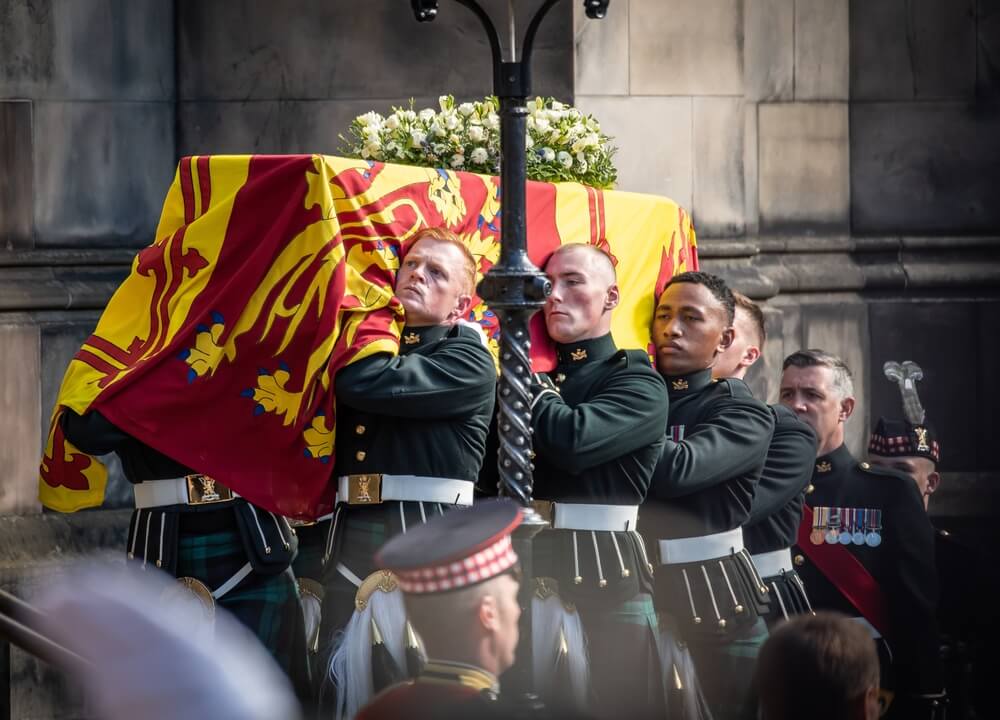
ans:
(680, 384)
(411, 338)
(578, 355)
(824, 466)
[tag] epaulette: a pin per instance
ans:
(736, 388)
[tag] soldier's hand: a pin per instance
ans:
(541, 383)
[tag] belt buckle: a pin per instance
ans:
(545, 508)
(203, 490)
(364, 489)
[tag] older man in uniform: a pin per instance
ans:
(770, 531)
(865, 545)
(598, 423)
(410, 442)
(703, 488)
(460, 578)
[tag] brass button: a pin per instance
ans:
(560, 377)
(810, 489)
(360, 429)
(360, 455)
(799, 560)
(865, 466)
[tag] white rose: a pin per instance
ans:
(426, 115)
(592, 140)
(541, 125)
(466, 109)
(454, 139)
(417, 138)
(556, 105)
(392, 122)
(457, 160)
(479, 156)
(548, 154)
(476, 133)
(370, 151)
(451, 121)
(437, 130)
(371, 119)
(565, 159)
(578, 146)
(492, 121)
(408, 115)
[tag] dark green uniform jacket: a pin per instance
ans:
(424, 412)
(777, 504)
(902, 564)
(704, 483)
(597, 440)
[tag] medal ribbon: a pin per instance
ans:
(847, 574)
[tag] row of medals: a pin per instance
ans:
(857, 526)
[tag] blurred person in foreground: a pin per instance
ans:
(153, 650)
(821, 667)
(459, 576)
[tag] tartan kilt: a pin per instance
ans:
(268, 605)
(725, 667)
(788, 597)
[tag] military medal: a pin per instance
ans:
(816, 536)
(860, 524)
(874, 538)
(845, 526)
(833, 534)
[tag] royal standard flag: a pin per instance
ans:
(269, 273)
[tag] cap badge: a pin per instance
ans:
(922, 444)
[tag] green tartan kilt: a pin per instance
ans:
(267, 604)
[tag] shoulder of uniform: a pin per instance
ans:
(633, 358)
(467, 331)
(881, 471)
(734, 388)
(786, 420)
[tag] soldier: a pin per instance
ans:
(598, 423)
(703, 488)
(460, 578)
(911, 446)
(410, 442)
(224, 549)
(865, 545)
(770, 531)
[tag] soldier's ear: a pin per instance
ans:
(933, 481)
(612, 297)
(846, 409)
(462, 306)
(750, 356)
(489, 614)
(728, 335)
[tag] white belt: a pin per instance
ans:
(371, 489)
(189, 490)
(580, 516)
(771, 564)
(701, 548)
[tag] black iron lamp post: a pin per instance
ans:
(514, 287)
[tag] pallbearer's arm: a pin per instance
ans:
(92, 433)
(788, 469)
(731, 441)
(456, 379)
(628, 413)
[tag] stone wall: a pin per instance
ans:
(842, 162)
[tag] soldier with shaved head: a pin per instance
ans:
(598, 420)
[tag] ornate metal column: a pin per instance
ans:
(514, 288)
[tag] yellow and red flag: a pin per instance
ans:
(269, 273)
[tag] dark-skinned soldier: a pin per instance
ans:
(703, 489)
(773, 525)
(598, 422)
(411, 433)
(866, 547)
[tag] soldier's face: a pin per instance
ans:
(508, 612)
(921, 469)
(583, 295)
(431, 284)
(690, 329)
(744, 351)
(809, 392)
